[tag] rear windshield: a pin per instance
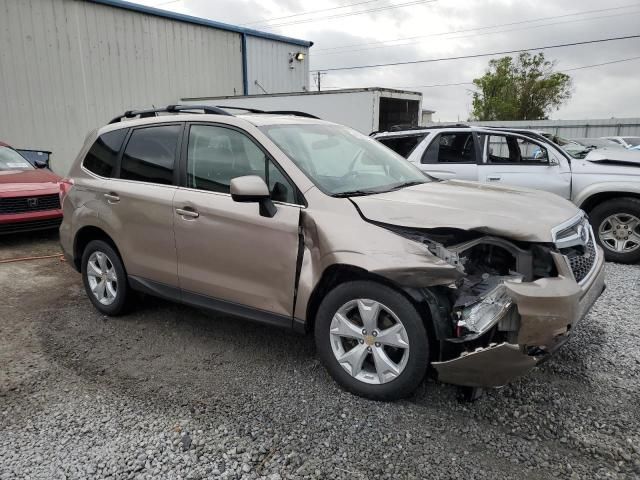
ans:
(633, 141)
(402, 145)
(12, 160)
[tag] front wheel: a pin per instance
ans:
(372, 340)
(616, 225)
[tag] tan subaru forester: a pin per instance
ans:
(308, 225)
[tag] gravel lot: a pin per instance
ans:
(171, 392)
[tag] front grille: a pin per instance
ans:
(50, 223)
(35, 203)
(581, 263)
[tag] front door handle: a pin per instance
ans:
(112, 197)
(187, 212)
(494, 178)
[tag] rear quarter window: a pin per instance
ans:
(103, 155)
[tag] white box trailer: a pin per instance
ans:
(364, 109)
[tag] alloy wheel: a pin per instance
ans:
(620, 233)
(103, 280)
(369, 341)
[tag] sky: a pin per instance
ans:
(448, 28)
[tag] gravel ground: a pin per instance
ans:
(172, 392)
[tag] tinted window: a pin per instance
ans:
(451, 148)
(150, 154)
(216, 155)
(103, 155)
(402, 145)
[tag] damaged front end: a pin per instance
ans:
(513, 306)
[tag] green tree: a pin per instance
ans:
(522, 88)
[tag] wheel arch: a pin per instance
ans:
(597, 198)
(84, 236)
(338, 274)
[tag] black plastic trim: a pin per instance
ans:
(202, 301)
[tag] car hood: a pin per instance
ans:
(29, 180)
(515, 213)
(614, 155)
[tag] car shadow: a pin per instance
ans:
(28, 244)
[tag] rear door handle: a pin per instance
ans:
(187, 212)
(111, 197)
(494, 178)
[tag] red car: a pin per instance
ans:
(29, 196)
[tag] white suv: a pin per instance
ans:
(607, 189)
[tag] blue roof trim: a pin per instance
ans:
(200, 21)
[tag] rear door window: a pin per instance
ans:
(103, 155)
(455, 147)
(402, 145)
(150, 154)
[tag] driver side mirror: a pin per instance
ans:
(252, 189)
(40, 164)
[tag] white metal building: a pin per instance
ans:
(68, 66)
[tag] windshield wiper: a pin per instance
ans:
(405, 184)
(354, 193)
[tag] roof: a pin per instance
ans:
(436, 128)
(257, 119)
(310, 93)
(200, 21)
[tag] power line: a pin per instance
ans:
(484, 33)
(600, 64)
(486, 27)
(309, 12)
(583, 67)
(478, 55)
(350, 14)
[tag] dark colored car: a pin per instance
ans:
(29, 196)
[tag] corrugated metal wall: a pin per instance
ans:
(268, 64)
(68, 66)
(577, 128)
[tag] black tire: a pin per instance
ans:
(416, 367)
(120, 304)
(621, 206)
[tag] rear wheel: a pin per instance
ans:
(104, 278)
(372, 340)
(616, 224)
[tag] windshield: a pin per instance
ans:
(632, 141)
(12, 160)
(343, 162)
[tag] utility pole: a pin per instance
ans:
(318, 77)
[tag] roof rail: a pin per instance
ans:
(272, 112)
(245, 109)
(129, 114)
(403, 128)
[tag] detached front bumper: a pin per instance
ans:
(547, 309)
